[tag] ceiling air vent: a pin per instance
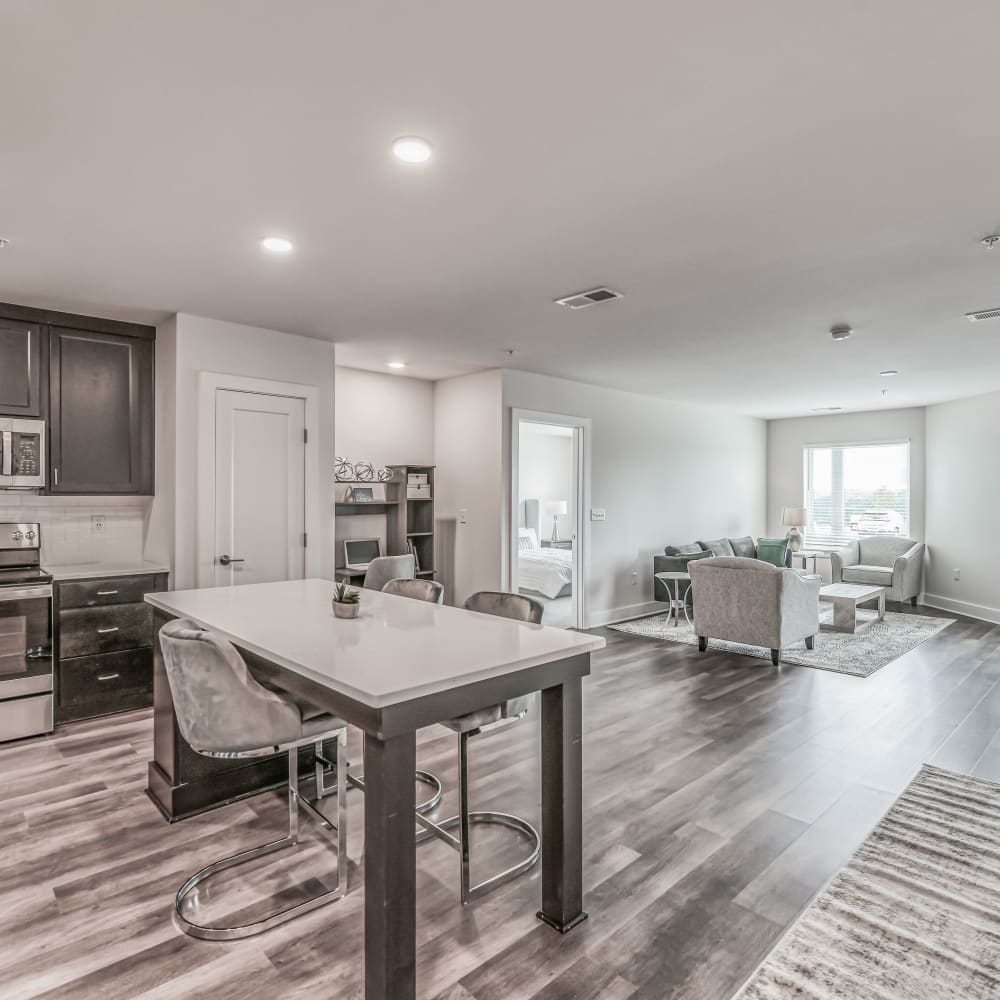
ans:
(978, 317)
(591, 298)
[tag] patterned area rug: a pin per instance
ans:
(912, 916)
(859, 654)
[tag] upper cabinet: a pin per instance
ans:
(21, 369)
(100, 413)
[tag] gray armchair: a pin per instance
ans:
(882, 560)
(755, 603)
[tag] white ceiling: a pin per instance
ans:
(747, 174)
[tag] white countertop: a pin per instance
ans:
(397, 650)
(84, 571)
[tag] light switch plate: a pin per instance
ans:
(598, 514)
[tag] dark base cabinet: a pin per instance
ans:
(104, 638)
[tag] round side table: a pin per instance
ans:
(678, 603)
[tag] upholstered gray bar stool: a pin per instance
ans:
(385, 568)
(468, 726)
(223, 712)
(418, 590)
(432, 593)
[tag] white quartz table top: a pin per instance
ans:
(85, 571)
(398, 649)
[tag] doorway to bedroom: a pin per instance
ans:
(547, 551)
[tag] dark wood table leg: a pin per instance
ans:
(390, 868)
(562, 806)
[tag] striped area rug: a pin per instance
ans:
(914, 915)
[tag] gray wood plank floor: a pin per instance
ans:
(721, 793)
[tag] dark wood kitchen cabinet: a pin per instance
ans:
(100, 413)
(22, 371)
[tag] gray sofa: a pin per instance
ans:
(753, 602)
(675, 558)
(882, 560)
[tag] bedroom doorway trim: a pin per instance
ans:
(580, 523)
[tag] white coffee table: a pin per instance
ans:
(846, 598)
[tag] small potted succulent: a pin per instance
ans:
(346, 601)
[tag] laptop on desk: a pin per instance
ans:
(359, 553)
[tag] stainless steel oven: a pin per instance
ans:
(22, 453)
(26, 653)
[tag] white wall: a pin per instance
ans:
(963, 517)
(665, 472)
(545, 472)
(386, 420)
(202, 345)
(467, 451)
(787, 438)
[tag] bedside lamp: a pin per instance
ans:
(793, 518)
(555, 508)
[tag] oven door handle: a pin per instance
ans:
(5, 450)
(24, 593)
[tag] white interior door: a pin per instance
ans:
(260, 472)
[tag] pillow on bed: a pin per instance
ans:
(526, 539)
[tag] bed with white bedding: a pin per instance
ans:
(548, 572)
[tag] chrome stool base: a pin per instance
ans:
(424, 777)
(466, 818)
(336, 833)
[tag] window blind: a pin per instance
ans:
(853, 490)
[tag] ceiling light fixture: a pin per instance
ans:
(276, 244)
(826, 409)
(411, 149)
(991, 241)
(888, 373)
(840, 331)
(396, 364)
(3, 242)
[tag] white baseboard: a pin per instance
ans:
(612, 616)
(979, 611)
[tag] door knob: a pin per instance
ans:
(226, 560)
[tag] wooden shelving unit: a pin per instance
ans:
(406, 520)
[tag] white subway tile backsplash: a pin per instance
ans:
(67, 527)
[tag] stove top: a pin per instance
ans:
(20, 552)
(20, 576)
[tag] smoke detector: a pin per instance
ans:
(583, 299)
(840, 331)
(978, 317)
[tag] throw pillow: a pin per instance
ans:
(772, 550)
(718, 547)
(744, 547)
(679, 563)
(683, 550)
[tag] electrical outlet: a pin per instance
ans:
(635, 579)
(598, 514)
(463, 516)
(957, 573)
(97, 523)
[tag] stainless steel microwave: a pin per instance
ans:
(22, 454)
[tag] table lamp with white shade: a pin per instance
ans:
(556, 508)
(793, 518)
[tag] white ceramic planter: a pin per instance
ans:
(342, 610)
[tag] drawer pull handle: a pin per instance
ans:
(108, 677)
(105, 631)
(106, 593)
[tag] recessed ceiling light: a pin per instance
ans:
(841, 331)
(276, 244)
(396, 364)
(888, 373)
(826, 409)
(3, 242)
(411, 149)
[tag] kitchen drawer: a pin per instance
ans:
(83, 631)
(112, 590)
(101, 685)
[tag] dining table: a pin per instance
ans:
(402, 665)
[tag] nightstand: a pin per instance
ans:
(562, 543)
